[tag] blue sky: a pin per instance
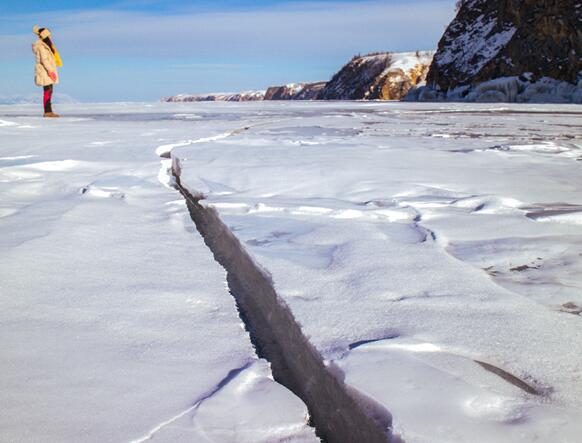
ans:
(116, 50)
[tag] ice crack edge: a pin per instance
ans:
(338, 412)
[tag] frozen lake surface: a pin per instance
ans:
(430, 253)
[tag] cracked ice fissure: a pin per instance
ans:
(229, 377)
(339, 413)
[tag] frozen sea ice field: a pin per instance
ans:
(429, 256)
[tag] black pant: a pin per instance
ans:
(48, 95)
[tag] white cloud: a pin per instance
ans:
(304, 30)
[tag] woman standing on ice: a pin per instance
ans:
(45, 70)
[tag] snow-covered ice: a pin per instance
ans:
(116, 322)
(432, 253)
(389, 220)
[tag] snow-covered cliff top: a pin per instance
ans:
(218, 97)
(476, 46)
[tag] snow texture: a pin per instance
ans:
(430, 252)
(479, 44)
(115, 319)
(410, 60)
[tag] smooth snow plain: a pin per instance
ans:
(411, 241)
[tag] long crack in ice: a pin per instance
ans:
(338, 412)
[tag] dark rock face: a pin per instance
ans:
(502, 38)
(382, 76)
(357, 79)
(279, 93)
(295, 91)
(310, 91)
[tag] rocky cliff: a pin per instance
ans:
(379, 76)
(537, 42)
(295, 91)
(246, 96)
(310, 91)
